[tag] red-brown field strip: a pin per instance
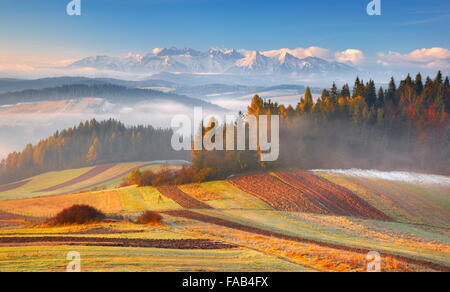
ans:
(335, 199)
(181, 198)
(88, 175)
(119, 242)
(277, 194)
(237, 226)
(13, 186)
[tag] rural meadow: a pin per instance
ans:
(124, 149)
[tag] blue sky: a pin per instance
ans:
(41, 28)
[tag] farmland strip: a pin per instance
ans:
(121, 242)
(91, 173)
(278, 194)
(237, 226)
(338, 200)
(181, 198)
(109, 179)
(13, 186)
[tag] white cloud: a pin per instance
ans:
(350, 55)
(430, 58)
(353, 56)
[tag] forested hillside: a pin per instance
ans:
(90, 143)
(113, 93)
(403, 127)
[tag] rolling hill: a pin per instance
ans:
(335, 220)
(112, 93)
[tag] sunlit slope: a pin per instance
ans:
(237, 211)
(49, 257)
(409, 202)
(72, 181)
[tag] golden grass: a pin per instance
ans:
(308, 255)
(200, 193)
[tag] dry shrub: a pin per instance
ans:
(170, 176)
(149, 217)
(77, 214)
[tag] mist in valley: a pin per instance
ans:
(26, 123)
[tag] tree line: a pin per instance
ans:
(404, 126)
(87, 144)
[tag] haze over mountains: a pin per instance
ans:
(217, 61)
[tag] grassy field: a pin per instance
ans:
(105, 180)
(54, 258)
(260, 237)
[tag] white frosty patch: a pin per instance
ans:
(409, 177)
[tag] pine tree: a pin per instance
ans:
(418, 85)
(334, 92)
(380, 100)
(370, 94)
(325, 94)
(391, 95)
(345, 91)
(308, 101)
(438, 80)
(428, 91)
(358, 88)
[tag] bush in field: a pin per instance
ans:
(149, 217)
(134, 177)
(167, 176)
(77, 214)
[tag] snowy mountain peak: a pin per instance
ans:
(219, 61)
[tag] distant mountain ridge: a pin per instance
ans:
(216, 61)
(110, 92)
(11, 85)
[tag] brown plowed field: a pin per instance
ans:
(229, 224)
(13, 186)
(336, 199)
(181, 198)
(91, 173)
(119, 242)
(278, 194)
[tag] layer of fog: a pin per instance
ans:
(29, 123)
(402, 176)
(241, 103)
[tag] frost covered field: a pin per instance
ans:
(401, 176)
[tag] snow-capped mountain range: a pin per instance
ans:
(215, 61)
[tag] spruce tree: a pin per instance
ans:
(356, 88)
(418, 84)
(380, 101)
(370, 94)
(345, 91)
(391, 95)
